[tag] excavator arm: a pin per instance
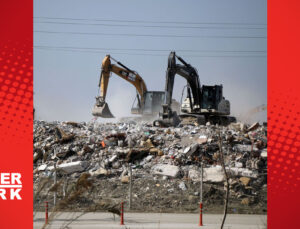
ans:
(186, 71)
(206, 103)
(101, 108)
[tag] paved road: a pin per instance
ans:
(152, 220)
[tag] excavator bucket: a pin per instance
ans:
(102, 111)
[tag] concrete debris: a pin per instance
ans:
(243, 172)
(245, 180)
(182, 186)
(190, 150)
(254, 126)
(125, 179)
(194, 175)
(42, 167)
(245, 201)
(99, 172)
(238, 164)
(159, 154)
(264, 154)
(202, 139)
(213, 174)
(245, 148)
(71, 167)
(165, 170)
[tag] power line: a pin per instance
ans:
(145, 54)
(148, 35)
(151, 50)
(153, 22)
(146, 26)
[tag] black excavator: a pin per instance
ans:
(203, 103)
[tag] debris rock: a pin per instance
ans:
(163, 160)
(125, 179)
(245, 180)
(72, 167)
(254, 126)
(165, 170)
(182, 186)
(245, 201)
(213, 174)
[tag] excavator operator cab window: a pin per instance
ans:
(219, 94)
(209, 97)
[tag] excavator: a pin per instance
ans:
(203, 103)
(148, 102)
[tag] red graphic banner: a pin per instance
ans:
(283, 114)
(16, 111)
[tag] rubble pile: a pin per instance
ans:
(165, 162)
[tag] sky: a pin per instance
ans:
(224, 40)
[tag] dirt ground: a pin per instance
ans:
(150, 195)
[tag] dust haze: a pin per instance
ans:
(120, 98)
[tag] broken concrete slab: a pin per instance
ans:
(242, 172)
(202, 139)
(254, 126)
(194, 175)
(245, 148)
(42, 167)
(190, 150)
(100, 171)
(213, 174)
(165, 170)
(71, 167)
(125, 179)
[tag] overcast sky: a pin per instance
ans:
(225, 41)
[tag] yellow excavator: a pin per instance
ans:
(149, 103)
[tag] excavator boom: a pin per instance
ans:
(186, 71)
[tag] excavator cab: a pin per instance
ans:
(153, 102)
(211, 96)
(213, 100)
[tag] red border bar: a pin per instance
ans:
(16, 99)
(283, 114)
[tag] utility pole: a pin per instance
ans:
(201, 183)
(130, 187)
(201, 195)
(65, 186)
(54, 197)
(222, 161)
